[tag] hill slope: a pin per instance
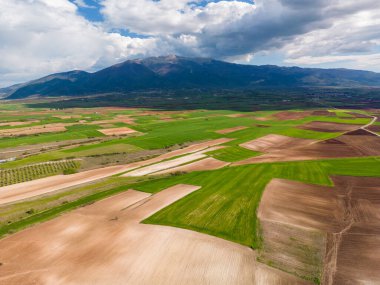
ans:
(173, 72)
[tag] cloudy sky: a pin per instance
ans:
(39, 37)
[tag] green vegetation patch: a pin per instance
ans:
(227, 203)
(27, 173)
(232, 153)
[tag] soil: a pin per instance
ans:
(330, 231)
(359, 143)
(30, 189)
(275, 142)
(323, 113)
(105, 243)
(329, 127)
(117, 131)
(200, 165)
(289, 115)
(52, 128)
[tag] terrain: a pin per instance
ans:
(131, 194)
(180, 73)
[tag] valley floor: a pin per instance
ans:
(141, 196)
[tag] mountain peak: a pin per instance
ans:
(176, 72)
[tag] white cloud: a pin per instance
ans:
(352, 41)
(38, 37)
(168, 17)
(83, 4)
(42, 36)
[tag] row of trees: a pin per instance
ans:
(30, 172)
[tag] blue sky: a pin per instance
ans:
(40, 37)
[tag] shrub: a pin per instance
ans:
(69, 171)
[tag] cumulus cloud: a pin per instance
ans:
(237, 29)
(38, 37)
(83, 4)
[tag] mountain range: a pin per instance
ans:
(176, 73)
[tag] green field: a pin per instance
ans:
(226, 204)
(232, 153)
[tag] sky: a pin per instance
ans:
(40, 37)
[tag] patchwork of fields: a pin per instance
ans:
(232, 159)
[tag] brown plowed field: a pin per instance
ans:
(104, 243)
(329, 127)
(323, 113)
(359, 143)
(309, 229)
(358, 252)
(289, 115)
(271, 142)
(231, 130)
(374, 128)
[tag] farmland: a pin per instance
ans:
(223, 162)
(34, 171)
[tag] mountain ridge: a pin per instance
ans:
(175, 72)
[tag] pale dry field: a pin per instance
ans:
(25, 190)
(209, 163)
(165, 165)
(51, 128)
(15, 124)
(105, 243)
(117, 131)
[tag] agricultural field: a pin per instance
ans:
(176, 187)
(11, 176)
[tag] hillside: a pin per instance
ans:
(174, 73)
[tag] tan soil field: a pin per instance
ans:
(52, 128)
(358, 143)
(231, 130)
(288, 115)
(273, 141)
(165, 165)
(14, 124)
(104, 243)
(331, 231)
(239, 115)
(200, 165)
(25, 190)
(30, 189)
(329, 127)
(117, 131)
(262, 119)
